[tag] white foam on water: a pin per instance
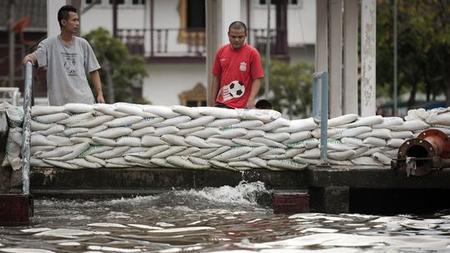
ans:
(118, 215)
(144, 226)
(106, 225)
(68, 233)
(319, 230)
(80, 217)
(112, 249)
(35, 230)
(318, 216)
(253, 221)
(180, 230)
(25, 250)
(165, 224)
(69, 244)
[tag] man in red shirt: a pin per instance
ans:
(237, 71)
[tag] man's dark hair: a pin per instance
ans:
(237, 25)
(63, 12)
(263, 104)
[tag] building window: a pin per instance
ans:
(117, 1)
(196, 14)
(291, 2)
(138, 2)
(192, 23)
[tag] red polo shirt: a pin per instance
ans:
(237, 69)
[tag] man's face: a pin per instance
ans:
(237, 37)
(72, 24)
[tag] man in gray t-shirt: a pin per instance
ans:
(68, 58)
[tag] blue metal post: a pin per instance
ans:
(320, 110)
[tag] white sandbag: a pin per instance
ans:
(173, 150)
(253, 133)
(352, 141)
(209, 153)
(335, 133)
(364, 160)
(388, 122)
(76, 140)
(62, 164)
(77, 118)
(93, 159)
(230, 133)
(94, 130)
(173, 121)
(378, 133)
(199, 142)
(34, 162)
(267, 142)
(103, 141)
(207, 132)
(261, 163)
(150, 141)
(77, 149)
(248, 124)
(341, 155)
(438, 119)
(36, 150)
(254, 153)
(59, 140)
(232, 153)
(139, 161)
(161, 163)
(39, 110)
(310, 154)
(220, 113)
(51, 118)
(291, 152)
(220, 165)
(278, 123)
(307, 160)
(153, 151)
(342, 120)
(221, 142)
(224, 122)
(258, 114)
(245, 142)
(14, 114)
(190, 151)
(74, 130)
(395, 143)
(55, 153)
(95, 149)
(146, 122)
(287, 164)
(356, 131)
(189, 131)
(401, 135)
(199, 161)
(411, 125)
(118, 162)
(162, 111)
(95, 121)
(83, 163)
(15, 135)
(274, 151)
(174, 140)
(298, 125)
(115, 152)
(185, 110)
(365, 121)
(75, 108)
(38, 126)
(390, 152)
(160, 131)
(126, 121)
(367, 153)
(278, 137)
(340, 162)
(374, 142)
(56, 128)
(132, 109)
(128, 141)
(311, 143)
(40, 140)
(200, 121)
(382, 158)
(112, 133)
(184, 162)
(243, 164)
(143, 131)
(108, 109)
(298, 136)
(135, 150)
(419, 114)
(337, 146)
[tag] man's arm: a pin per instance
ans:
(95, 78)
(214, 90)
(256, 85)
(30, 58)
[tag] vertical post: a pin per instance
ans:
(12, 43)
(321, 49)
(350, 80)
(335, 57)
(26, 128)
(368, 57)
(152, 14)
(213, 16)
(395, 112)
(267, 67)
(114, 16)
(324, 119)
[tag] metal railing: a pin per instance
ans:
(320, 110)
(26, 128)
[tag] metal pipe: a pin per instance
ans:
(267, 74)
(26, 128)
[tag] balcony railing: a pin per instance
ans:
(190, 43)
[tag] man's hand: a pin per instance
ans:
(100, 99)
(250, 104)
(29, 58)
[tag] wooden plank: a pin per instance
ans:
(350, 80)
(368, 57)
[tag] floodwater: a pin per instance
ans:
(225, 219)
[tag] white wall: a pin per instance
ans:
(166, 81)
(53, 6)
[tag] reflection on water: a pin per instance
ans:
(225, 219)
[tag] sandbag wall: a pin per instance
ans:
(122, 135)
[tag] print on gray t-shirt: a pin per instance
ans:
(67, 68)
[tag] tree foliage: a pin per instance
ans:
(423, 43)
(290, 88)
(121, 71)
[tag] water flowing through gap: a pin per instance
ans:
(220, 219)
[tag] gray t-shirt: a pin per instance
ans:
(67, 69)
